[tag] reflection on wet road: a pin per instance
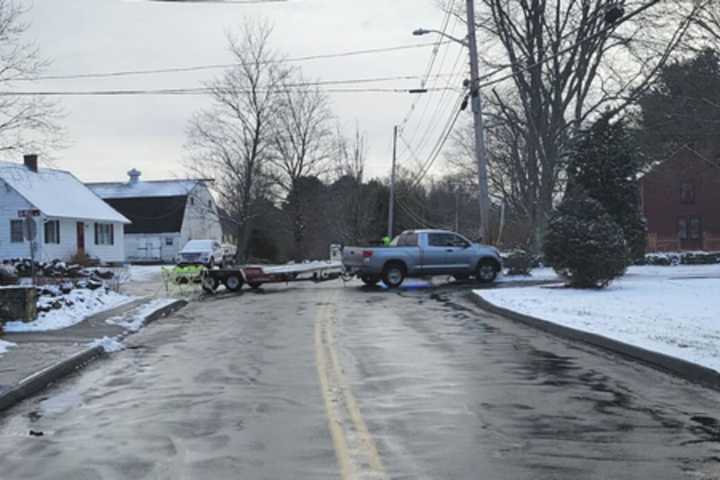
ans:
(229, 388)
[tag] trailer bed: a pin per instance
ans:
(257, 275)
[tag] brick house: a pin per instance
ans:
(681, 201)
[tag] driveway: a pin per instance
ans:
(329, 381)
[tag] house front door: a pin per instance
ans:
(80, 238)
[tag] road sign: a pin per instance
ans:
(28, 213)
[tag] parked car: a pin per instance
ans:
(422, 253)
(201, 252)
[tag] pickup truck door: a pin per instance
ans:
(435, 254)
(459, 254)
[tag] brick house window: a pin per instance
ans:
(52, 231)
(695, 228)
(682, 226)
(16, 231)
(687, 192)
(104, 234)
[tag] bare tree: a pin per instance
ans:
(27, 123)
(562, 62)
(302, 134)
(302, 142)
(233, 139)
(350, 155)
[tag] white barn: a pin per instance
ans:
(69, 218)
(165, 215)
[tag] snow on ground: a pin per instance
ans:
(671, 310)
(84, 304)
(109, 344)
(5, 345)
(145, 273)
(537, 275)
(137, 320)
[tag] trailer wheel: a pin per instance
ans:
(370, 280)
(233, 282)
(393, 274)
(209, 284)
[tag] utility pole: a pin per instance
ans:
(391, 206)
(480, 151)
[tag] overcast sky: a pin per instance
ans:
(111, 135)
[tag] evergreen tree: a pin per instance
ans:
(584, 244)
(606, 165)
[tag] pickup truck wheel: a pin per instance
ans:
(487, 271)
(393, 275)
(233, 282)
(370, 280)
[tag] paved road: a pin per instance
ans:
(331, 382)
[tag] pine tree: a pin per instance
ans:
(605, 166)
(584, 244)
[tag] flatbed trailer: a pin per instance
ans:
(256, 275)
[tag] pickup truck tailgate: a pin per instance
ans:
(355, 256)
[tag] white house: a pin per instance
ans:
(69, 218)
(165, 214)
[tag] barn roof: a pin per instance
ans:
(145, 189)
(152, 214)
(57, 193)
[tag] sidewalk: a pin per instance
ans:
(41, 351)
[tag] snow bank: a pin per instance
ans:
(536, 275)
(669, 310)
(5, 345)
(137, 320)
(109, 344)
(84, 303)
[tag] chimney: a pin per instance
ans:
(134, 175)
(31, 162)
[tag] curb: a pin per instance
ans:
(38, 381)
(689, 371)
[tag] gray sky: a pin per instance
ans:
(110, 135)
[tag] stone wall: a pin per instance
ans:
(18, 303)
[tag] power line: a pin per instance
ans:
(196, 68)
(185, 91)
(430, 66)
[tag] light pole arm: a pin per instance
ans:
(424, 31)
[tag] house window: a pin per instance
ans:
(104, 234)
(682, 228)
(169, 241)
(687, 192)
(52, 231)
(16, 231)
(695, 228)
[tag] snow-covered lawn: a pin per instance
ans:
(81, 303)
(671, 310)
(537, 275)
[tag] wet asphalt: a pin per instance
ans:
(228, 388)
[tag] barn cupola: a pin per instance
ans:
(134, 175)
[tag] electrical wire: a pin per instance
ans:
(196, 68)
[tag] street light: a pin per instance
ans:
(424, 31)
(480, 150)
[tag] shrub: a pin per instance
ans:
(584, 244)
(519, 262)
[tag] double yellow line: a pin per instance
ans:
(356, 452)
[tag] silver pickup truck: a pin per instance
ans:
(423, 253)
